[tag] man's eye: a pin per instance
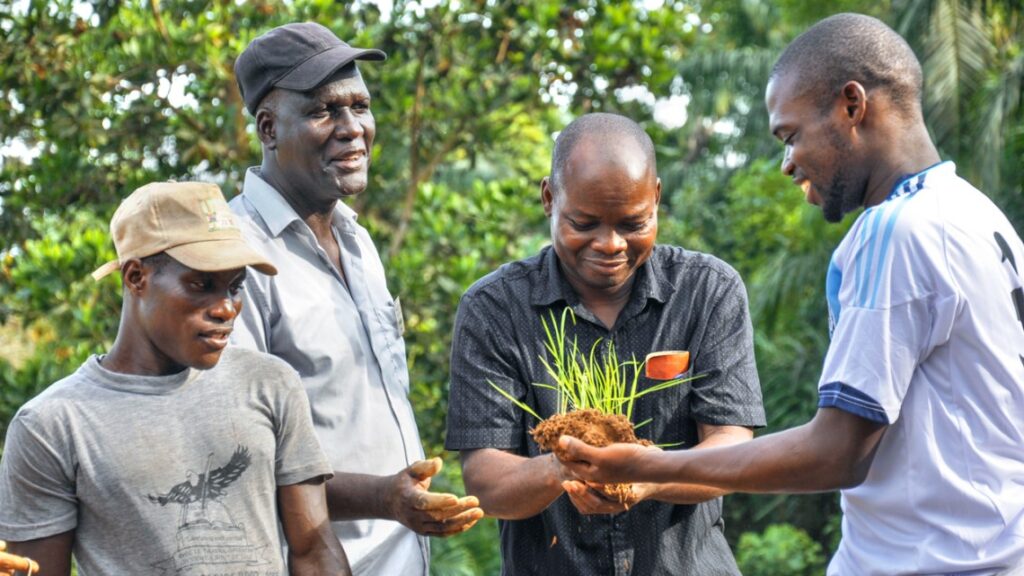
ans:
(582, 225)
(237, 288)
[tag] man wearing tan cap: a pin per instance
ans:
(171, 454)
(330, 314)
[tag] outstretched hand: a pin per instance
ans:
(430, 513)
(607, 465)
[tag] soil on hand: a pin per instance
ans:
(594, 428)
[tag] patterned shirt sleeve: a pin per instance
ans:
(728, 391)
(483, 354)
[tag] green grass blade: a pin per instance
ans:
(526, 408)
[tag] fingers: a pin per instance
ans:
(423, 469)
(449, 507)
(457, 524)
(424, 500)
(448, 521)
(572, 448)
(589, 501)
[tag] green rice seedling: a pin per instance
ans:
(592, 380)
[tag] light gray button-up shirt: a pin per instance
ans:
(343, 336)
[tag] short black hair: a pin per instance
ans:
(608, 127)
(855, 47)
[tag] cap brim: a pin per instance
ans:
(314, 71)
(106, 269)
(218, 255)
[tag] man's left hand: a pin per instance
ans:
(430, 513)
(589, 499)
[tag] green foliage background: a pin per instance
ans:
(98, 97)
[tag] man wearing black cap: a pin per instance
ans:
(330, 314)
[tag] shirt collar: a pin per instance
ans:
(277, 213)
(650, 283)
(914, 182)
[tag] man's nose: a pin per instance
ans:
(787, 161)
(226, 308)
(610, 242)
(347, 125)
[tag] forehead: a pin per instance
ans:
(608, 179)
(602, 159)
(785, 102)
(172, 267)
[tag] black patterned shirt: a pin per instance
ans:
(680, 300)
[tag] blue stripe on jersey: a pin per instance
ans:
(870, 264)
(899, 204)
(847, 399)
(865, 257)
(912, 183)
(833, 281)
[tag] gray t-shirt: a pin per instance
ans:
(162, 475)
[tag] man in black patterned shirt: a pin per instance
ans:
(602, 201)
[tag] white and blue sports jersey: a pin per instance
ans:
(927, 316)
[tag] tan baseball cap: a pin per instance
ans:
(190, 221)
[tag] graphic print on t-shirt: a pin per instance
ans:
(208, 539)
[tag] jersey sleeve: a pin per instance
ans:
(478, 415)
(892, 305)
(37, 483)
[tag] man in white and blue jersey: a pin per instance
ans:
(920, 416)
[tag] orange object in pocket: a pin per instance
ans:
(667, 365)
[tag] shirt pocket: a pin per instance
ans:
(389, 343)
(669, 413)
(389, 319)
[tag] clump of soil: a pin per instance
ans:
(594, 428)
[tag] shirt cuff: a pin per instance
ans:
(847, 399)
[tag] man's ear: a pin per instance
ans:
(547, 198)
(134, 276)
(657, 194)
(854, 100)
(266, 128)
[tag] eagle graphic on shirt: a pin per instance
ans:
(207, 485)
(207, 536)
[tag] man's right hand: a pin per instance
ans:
(430, 513)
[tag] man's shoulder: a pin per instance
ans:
(51, 406)
(680, 265)
(507, 278)
(236, 360)
(248, 219)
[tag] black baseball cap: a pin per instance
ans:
(298, 56)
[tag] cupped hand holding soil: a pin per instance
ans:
(596, 429)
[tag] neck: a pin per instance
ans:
(134, 353)
(320, 224)
(124, 359)
(606, 304)
(303, 205)
(911, 153)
